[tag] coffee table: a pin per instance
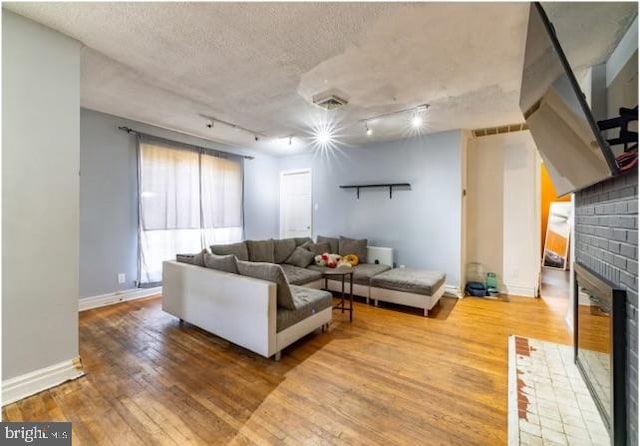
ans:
(332, 273)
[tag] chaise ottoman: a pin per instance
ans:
(409, 286)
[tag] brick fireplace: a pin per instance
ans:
(607, 242)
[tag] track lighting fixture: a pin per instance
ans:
(416, 119)
(211, 122)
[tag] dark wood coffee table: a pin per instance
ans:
(330, 273)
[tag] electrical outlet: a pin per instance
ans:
(121, 278)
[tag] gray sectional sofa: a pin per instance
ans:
(209, 289)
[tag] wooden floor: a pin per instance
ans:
(390, 377)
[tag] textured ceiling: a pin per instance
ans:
(259, 64)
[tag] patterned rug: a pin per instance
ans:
(549, 404)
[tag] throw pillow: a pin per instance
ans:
(301, 257)
(237, 249)
(353, 246)
(282, 249)
(226, 263)
(272, 273)
(185, 258)
(193, 259)
(352, 259)
(302, 240)
(261, 251)
(333, 242)
(198, 259)
(319, 248)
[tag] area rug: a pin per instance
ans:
(549, 404)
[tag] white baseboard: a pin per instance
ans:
(87, 303)
(22, 386)
(452, 291)
(519, 290)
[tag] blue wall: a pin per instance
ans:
(423, 225)
(108, 199)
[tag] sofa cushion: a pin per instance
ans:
(226, 263)
(300, 276)
(261, 251)
(410, 280)
(272, 273)
(307, 301)
(333, 243)
(362, 273)
(353, 246)
(185, 258)
(193, 259)
(302, 240)
(282, 249)
(300, 257)
(237, 249)
(319, 248)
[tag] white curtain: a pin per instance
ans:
(189, 198)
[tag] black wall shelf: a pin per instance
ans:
(357, 187)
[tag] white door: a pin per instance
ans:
(295, 204)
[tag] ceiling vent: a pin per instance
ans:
(330, 100)
(502, 129)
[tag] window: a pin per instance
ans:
(189, 198)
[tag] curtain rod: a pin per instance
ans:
(130, 130)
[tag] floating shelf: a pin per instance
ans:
(357, 187)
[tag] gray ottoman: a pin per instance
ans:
(409, 286)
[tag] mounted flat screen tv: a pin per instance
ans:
(568, 139)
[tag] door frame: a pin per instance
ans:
(283, 173)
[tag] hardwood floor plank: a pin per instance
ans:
(391, 377)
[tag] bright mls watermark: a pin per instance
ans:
(35, 434)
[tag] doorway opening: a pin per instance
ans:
(296, 214)
(555, 248)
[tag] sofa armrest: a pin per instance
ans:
(237, 308)
(382, 255)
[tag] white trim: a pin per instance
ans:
(513, 427)
(537, 238)
(22, 386)
(293, 172)
(453, 291)
(88, 303)
(519, 290)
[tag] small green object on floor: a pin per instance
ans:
(492, 284)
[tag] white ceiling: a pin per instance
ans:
(259, 64)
